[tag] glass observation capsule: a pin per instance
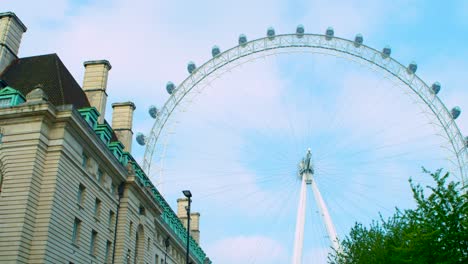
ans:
(191, 67)
(215, 51)
(242, 39)
(386, 52)
(300, 31)
(153, 111)
(412, 67)
(329, 33)
(170, 87)
(435, 88)
(141, 139)
(455, 112)
(358, 40)
(271, 33)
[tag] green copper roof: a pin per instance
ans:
(90, 114)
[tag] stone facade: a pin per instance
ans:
(70, 192)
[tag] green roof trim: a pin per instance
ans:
(116, 147)
(168, 216)
(174, 223)
(11, 97)
(125, 158)
(104, 131)
(90, 114)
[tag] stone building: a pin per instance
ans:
(70, 190)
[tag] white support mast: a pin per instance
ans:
(325, 214)
(306, 173)
(300, 222)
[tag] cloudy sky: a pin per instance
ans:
(237, 142)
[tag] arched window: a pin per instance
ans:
(139, 245)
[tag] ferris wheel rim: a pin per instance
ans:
(319, 42)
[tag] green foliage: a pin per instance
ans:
(435, 232)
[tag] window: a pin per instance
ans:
(129, 254)
(99, 175)
(81, 195)
(137, 243)
(76, 231)
(111, 219)
(84, 161)
(141, 210)
(114, 188)
(1, 171)
(92, 249)
(130, 230)
(5, 102)
(108, 250)
(97, 208)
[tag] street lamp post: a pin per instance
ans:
(188, 194)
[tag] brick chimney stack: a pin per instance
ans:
(11, 32)
(122, 122)
(194, 219)
(95, 85)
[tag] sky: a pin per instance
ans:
(236, 143)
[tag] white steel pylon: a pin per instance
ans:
(306, 174)
(300, 221)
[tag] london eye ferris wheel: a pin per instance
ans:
(357, 137)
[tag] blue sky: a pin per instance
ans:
(236, 146)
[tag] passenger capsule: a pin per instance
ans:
(170, 87)
(358, 40)
(153, 111)
(329, 33)
(300, 31)
(141, 139)
(412, 67)
(435, 88)
(271, 33)
(242, 39)
(191, 67)
(386, 52)
(215, 51)
(456, 111)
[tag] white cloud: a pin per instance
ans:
(248, 249)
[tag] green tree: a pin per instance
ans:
(436, 231)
